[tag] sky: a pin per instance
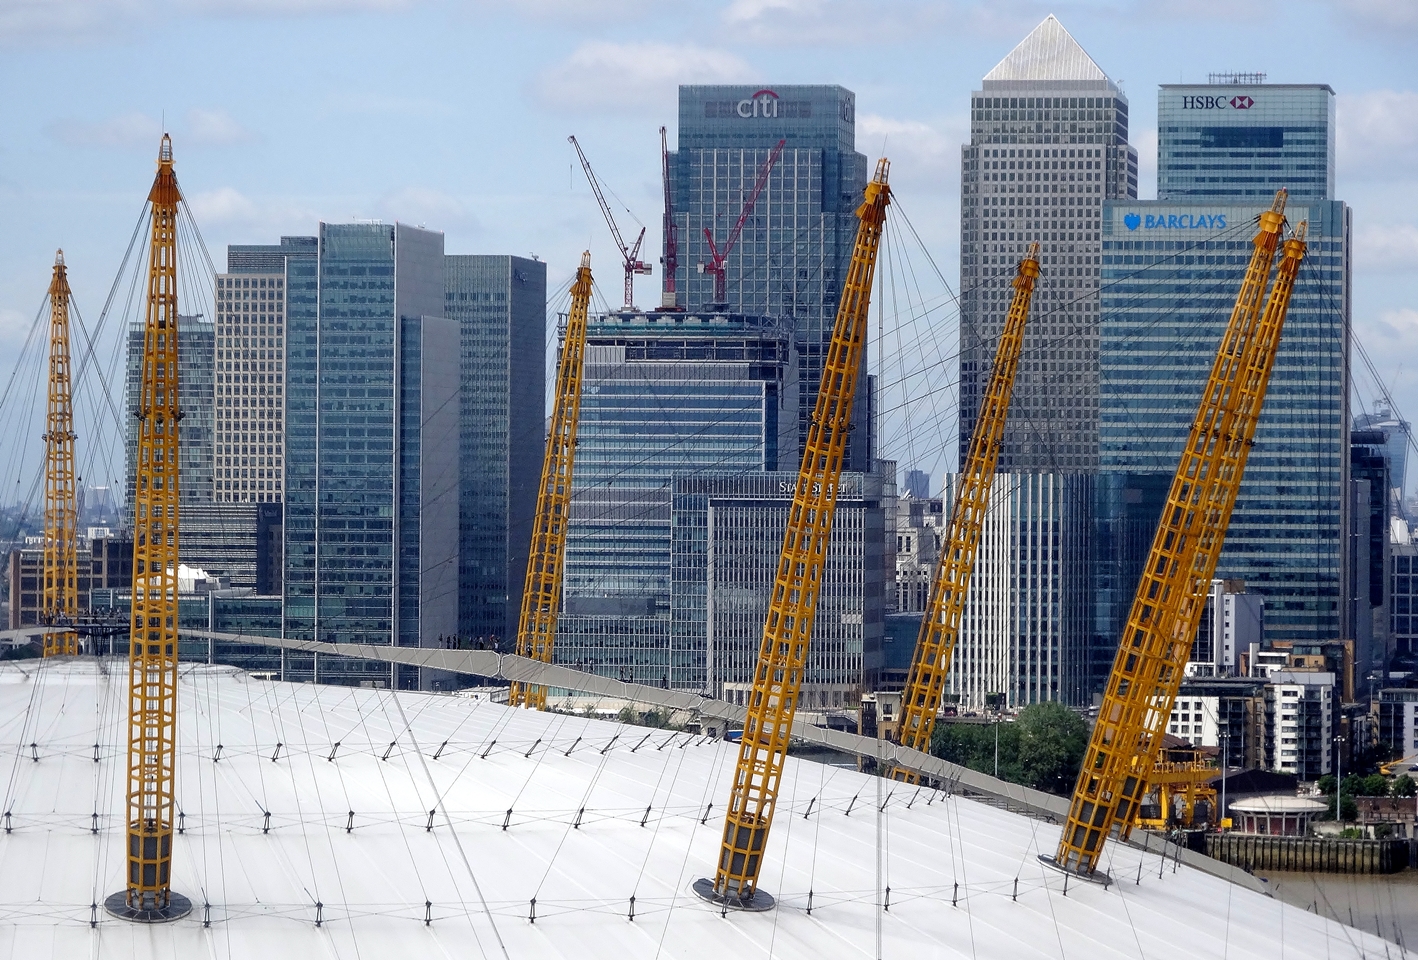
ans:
(454, 116)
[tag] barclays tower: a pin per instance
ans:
(1171, 269)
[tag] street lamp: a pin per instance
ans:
(1225, 767)
(1338, 780)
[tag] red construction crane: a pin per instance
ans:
(631, 255)
(717, 257)
(669, 300)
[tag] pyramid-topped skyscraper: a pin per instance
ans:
(1048, 142)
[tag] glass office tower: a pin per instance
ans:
(795, 248)
(727, 537)
(372, 486)
(196, 357)
(499, 305)
(663, 395)
(1171, 271)
(1235, 141)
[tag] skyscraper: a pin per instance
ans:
(664, 395)
(728, 531)
(1172, 268)
(372, 481)
(250, 378)
(1048, 144)
(196, 357)
(795, 247)
(1236, 138)
(499, 305)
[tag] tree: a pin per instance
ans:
(973, 745)
(1325, 784)
(1405, 786)
(1348, 808)
(1052, 741)
(1374, 785)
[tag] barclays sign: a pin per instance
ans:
(1175, 221)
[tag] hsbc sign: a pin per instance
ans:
(1239, 102)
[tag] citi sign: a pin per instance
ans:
(1175, 221)
(764, 103)
(1199, 102)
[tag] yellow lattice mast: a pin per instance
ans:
(152, 653)
(930, 664)
(788, 628)
(541, 594)
(1156, 642)
(59, 605)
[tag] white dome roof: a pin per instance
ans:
(349, 830)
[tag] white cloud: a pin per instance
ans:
(1377, 135)
(623, 77)
(1385, 247)
(26, 19)
(221, 206)
(830, 22)
(1399, 16)
(1397, 326)
(913, 146)
(215, 128)
(199, 126)
(427, 207)
(125, 130)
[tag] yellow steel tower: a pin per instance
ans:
(60, 602)
(541, 594)
(940, 627)
(152, 654)
(1153, 650)
(788, 628)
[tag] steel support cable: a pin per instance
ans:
(606, 481)
(462, 853)
(655, 833)
(399, 824)
(284, 735)
(919, 317)
(696, 822)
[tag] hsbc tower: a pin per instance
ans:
(1240, 138)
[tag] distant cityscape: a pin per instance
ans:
(364, 423)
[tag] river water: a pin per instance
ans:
(1386, 904)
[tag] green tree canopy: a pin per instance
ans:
(1042, 748)
(1052, 741)
(1405, 786)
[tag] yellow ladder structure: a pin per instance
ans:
(59, 605)
(940, 627)
(152, 655)
(541, 593)
(1152, 652)
(788, 628)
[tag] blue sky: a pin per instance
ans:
(455, 115)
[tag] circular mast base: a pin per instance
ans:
(759, 902)
(148, 911)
